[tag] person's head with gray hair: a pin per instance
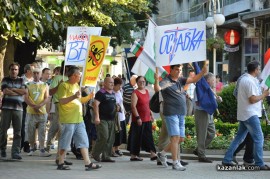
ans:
(27, 68)
(211, 79)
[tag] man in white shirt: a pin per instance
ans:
(249, 109)
(190, 88)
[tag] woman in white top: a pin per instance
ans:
(120, 132)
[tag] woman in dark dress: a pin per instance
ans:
(140, 136)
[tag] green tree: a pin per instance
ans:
(45, 21)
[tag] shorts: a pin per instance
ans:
(175, 125)
(75, 131)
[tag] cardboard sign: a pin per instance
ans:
(77, 43)
(95, 56)
(180, 43)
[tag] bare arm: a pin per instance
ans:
(70, 98)
(198, 76)
(54, 90)
(7, 91)
(254, 99)
(46, 97)
(134, 100)
(28, 99)
(96, 111)
(18, 91)
(156, 85)
(87, 98)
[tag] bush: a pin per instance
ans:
(228, 108)
(226, 128)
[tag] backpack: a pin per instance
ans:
(154, 103)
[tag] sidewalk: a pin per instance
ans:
(33, 167)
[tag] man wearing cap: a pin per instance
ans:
(36, 97)
(27, 77)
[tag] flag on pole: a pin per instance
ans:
(204, 93)
(146, 56)
(265, 74)
(145, 64)
(267, 81)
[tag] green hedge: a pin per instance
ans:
(221, 127)
(228, 107)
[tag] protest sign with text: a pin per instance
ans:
(94, 60)
(77, 42)
(180, 43)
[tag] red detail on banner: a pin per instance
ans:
(232, 37)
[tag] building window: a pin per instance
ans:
(267, 35)
(227, 2)
(251, 50)
(251, 45)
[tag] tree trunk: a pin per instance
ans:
(9, 57)
(3, 47)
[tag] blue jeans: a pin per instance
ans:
(175, 125)
(253, 126)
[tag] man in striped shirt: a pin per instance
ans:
(127, 92)
(13, 89)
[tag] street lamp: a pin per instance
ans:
(212, 21)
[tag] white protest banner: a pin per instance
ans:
(180, 43)
(77, 44)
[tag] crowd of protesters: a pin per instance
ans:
(91, 122)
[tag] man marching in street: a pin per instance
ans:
(71, 119)
(174, 110)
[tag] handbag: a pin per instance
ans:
(154, 103)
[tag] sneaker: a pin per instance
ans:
(235, 160)
(63, 167)
(115, 155)
(48, 148)
(205, 160)
(168, 163)
(16, 156)
(162, 159)
(43, 153)
(227, 164)
(26, 147)
(3, 154)
(183, 163)
(31, 153)
(178, 166)
(246, 164)
(118, 152)
(96, 158)
(195, 152)
(265, 167)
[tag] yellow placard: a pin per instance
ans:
(95, 56)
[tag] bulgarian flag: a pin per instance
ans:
(265, 75)
(267, 81)
(145, 64)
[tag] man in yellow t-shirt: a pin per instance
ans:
(36, 98)
(71, 119)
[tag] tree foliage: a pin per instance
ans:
(45, 21)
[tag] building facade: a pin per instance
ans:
(251, 18)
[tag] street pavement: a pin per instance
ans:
(35, 167)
